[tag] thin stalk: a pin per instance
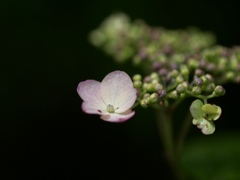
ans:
(183, 132)
(164, 124)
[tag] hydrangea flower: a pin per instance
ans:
(112, 98)
(204, 115)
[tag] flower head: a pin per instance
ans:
(112, 98)
(204, 115)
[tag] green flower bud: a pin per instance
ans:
(184, 71)
(196, 90)
(209, 77)
(179, 79)
(230, 75)
(144, 103)
(146, 96)
(209, 88)
(148, 87)
(174, 73)
(181, 88)
(137, 84)
(204, 80)
(154, 82)
(198, 72)
(153, 97)
(154, 75)
(193, 63)
(158, 87)
(137, 77)
(173, 95)
(219, 90)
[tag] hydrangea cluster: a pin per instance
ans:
(174, 64)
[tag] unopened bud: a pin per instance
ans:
(154, 75)
(219, 90)
(173, 95)
(181, 88)
(137, 77)
(209, 88)
(198, 81)
(137, 84)
(144, 103)
(153, 97)
(162, 93)
(196, 90)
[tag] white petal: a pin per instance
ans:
(114, 117)
(89, 91)
(125, 100)
(113, 85)
(207, 127)
(93, 108)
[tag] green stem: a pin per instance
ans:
(183, 131)
(164, 122)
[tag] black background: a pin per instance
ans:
(45, 53)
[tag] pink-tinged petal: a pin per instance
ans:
(114, 84)
(89, 91)
(125, 100)
(92, 108)
(118, 118)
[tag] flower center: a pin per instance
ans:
(110, 108)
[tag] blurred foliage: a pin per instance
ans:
(214, 157)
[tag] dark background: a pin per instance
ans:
(45, 53)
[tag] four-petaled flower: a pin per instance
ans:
(112, 98)
(204, 115)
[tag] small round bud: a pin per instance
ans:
(144, 103)
(154, 76)
(137, 84)
(204, 80)
(146, 96)
(158, 87)
(174, 73)
(179, 79)
(199, 72)
(162, 93)
(173, 95)
(193, 63)
(230, 75)
(196, 90)
(153, 97)
(154, 82)
(209, 77)
(209, 88)
(147, 79)
(137, 77)
(184, 71)
(219, 90)
(197, 81)
(181, 88)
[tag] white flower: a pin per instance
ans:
(112, 98)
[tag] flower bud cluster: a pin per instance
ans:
(163, 89)
(124, 39)
(177, 63)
